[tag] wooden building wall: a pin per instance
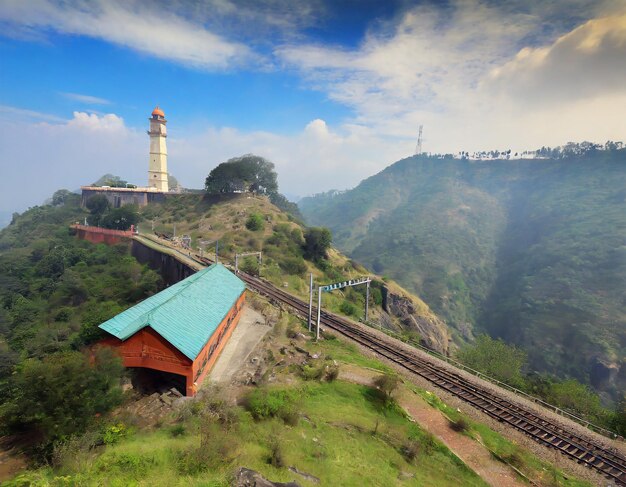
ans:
(148, 349)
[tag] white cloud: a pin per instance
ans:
(93, 122)
(86, 99)
(468, 74)
(133, 24)
(41, 157)
(589, 61)
(315, 159)
(38, 157)
(20, 115)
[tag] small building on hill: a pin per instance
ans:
(158, 182)
(182, 329)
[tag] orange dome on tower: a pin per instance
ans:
(158, 111)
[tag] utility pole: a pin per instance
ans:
(367, 299)
(217, 248)
(310, 301)
(319, 312)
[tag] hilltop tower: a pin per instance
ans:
(157, 170)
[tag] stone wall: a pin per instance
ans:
(123, 196)
(170, 268)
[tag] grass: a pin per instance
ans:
(343, 436)
(502, 448)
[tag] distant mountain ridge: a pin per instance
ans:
(531, 250)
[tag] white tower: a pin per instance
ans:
(157, 170)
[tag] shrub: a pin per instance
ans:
(60, 396)
(291, 331)
(460, 425)
(387, 385)
(177, 430)
(410, 450)
(266, 403)
(276, 453)
(216, 449)
(293, 265)
(326, 335)
(332, 372)
(129, 464)
(255, 222)
(348, 308)
(250, 265)
(309, 372)
(114, 433)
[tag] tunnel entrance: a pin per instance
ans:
(148, 381)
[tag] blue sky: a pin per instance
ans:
(331, 92)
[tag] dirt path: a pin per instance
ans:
(248, 333)
(473, 454)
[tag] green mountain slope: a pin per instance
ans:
(529, 250)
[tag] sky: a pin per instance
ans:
(330, 91)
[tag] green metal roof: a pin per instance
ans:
(185, 314)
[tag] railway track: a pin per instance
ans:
(585, 451)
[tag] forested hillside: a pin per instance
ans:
(533, 251)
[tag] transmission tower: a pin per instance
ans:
(418, 147)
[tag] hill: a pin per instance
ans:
(57, 289)
(281, 238)
(528, 250)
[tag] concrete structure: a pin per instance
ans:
(182, 329)
(123, 196)
(157, 171)
(102, 235)
(158, 184)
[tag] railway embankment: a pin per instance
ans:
(505, 411)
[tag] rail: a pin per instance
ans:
(560, 411)
(584, 450)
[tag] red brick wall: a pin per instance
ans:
(102, 235)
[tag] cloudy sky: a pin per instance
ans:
(331, 91)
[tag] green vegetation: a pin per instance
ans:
(495, 359)
(288, 257)
(255, 222)
(59, 396)
(531, 251)
(507, 364)
(55, 290)
(339, 434)
(503, 449)
(102, 215)
(247, 173)
(111, 180)
(316, 243)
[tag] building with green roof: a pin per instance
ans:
(182, 329)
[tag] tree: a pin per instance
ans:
(247, 173)
(97, 205)
(121, 218)
(574, 396)
(59, 396)
(495, 359)
(61, 196)
(317, 241)
(387, 385)
(111, 180)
